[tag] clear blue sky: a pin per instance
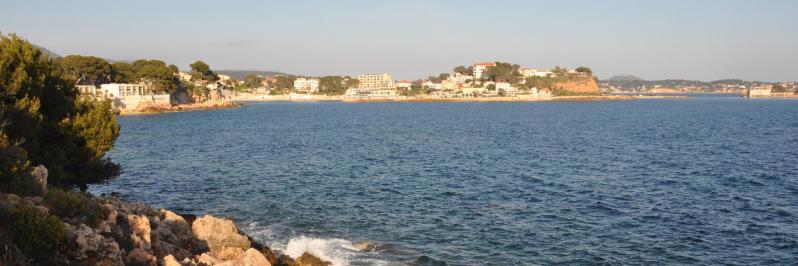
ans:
(706, 40)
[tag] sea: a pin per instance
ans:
(704, 180)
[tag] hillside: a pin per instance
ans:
(46, 51)
(241, 74)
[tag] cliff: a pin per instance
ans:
(577, 86)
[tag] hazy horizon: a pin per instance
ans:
(706, 40)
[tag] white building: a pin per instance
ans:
(223, 78)
(403, 84)
(307, 85)
(373, 86)
(479, 68)
(460, 78)
(376, 81)
(530, 72)
(184, 76)
(128, 96)
(432, 85)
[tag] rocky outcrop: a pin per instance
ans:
(586, 85)
(137, 234)
(309, 260)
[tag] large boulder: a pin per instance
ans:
(140, 257)
(308, 259)
(39, 176)
(140, 235)
(172, 228)
(250, 257)
(215, 234)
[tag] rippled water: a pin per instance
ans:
(710, 180)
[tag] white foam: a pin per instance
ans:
(337, 251)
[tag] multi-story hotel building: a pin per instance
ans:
(376, 81)
(373, 86)
(479, 68)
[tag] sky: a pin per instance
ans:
(702, 39)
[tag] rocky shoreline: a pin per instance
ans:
(181, 108)
(138, 234)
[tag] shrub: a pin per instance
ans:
(38, 235)
(76, 206)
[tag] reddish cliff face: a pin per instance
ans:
(579, 86)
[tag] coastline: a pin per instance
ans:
(320, 98)
(210, 105)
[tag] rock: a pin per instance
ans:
(251, 257)
(83, 242)
(229, 253)
(207, 259)
(110, 253)
(39, 175)
(139, 257)
(309, 260)
(170, 261)
(366, 246)
(174, 229)
(140, 235)
(285, 260)
(216, 233)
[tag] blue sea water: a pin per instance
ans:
(707, 180)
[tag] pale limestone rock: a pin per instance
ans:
(39, 175)
(140, 227)
(251, 257)
(207, 259)
(218, 233)
(85, 241)
(174, 229)
(170, 261)
(229, 253)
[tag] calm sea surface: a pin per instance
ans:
(708, 180)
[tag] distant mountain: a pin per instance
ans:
(241, 74)
(625, 78)
(46, 51)
(633, 83)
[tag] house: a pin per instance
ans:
(530, 72)
(126, 96)
(432, 85)
(403, 84)
(479, 68)
(306, 85)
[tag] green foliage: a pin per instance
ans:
(283, 82)
(585, 70)
(123, 73)
(13, 169)
(333, 85)
(462, 70)
(252, 81)
(157, 74)
(46, 120)
(201, 71)
(504, 72)
(778, 88)
(86, 69)
(38, 235)
(75, 206)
